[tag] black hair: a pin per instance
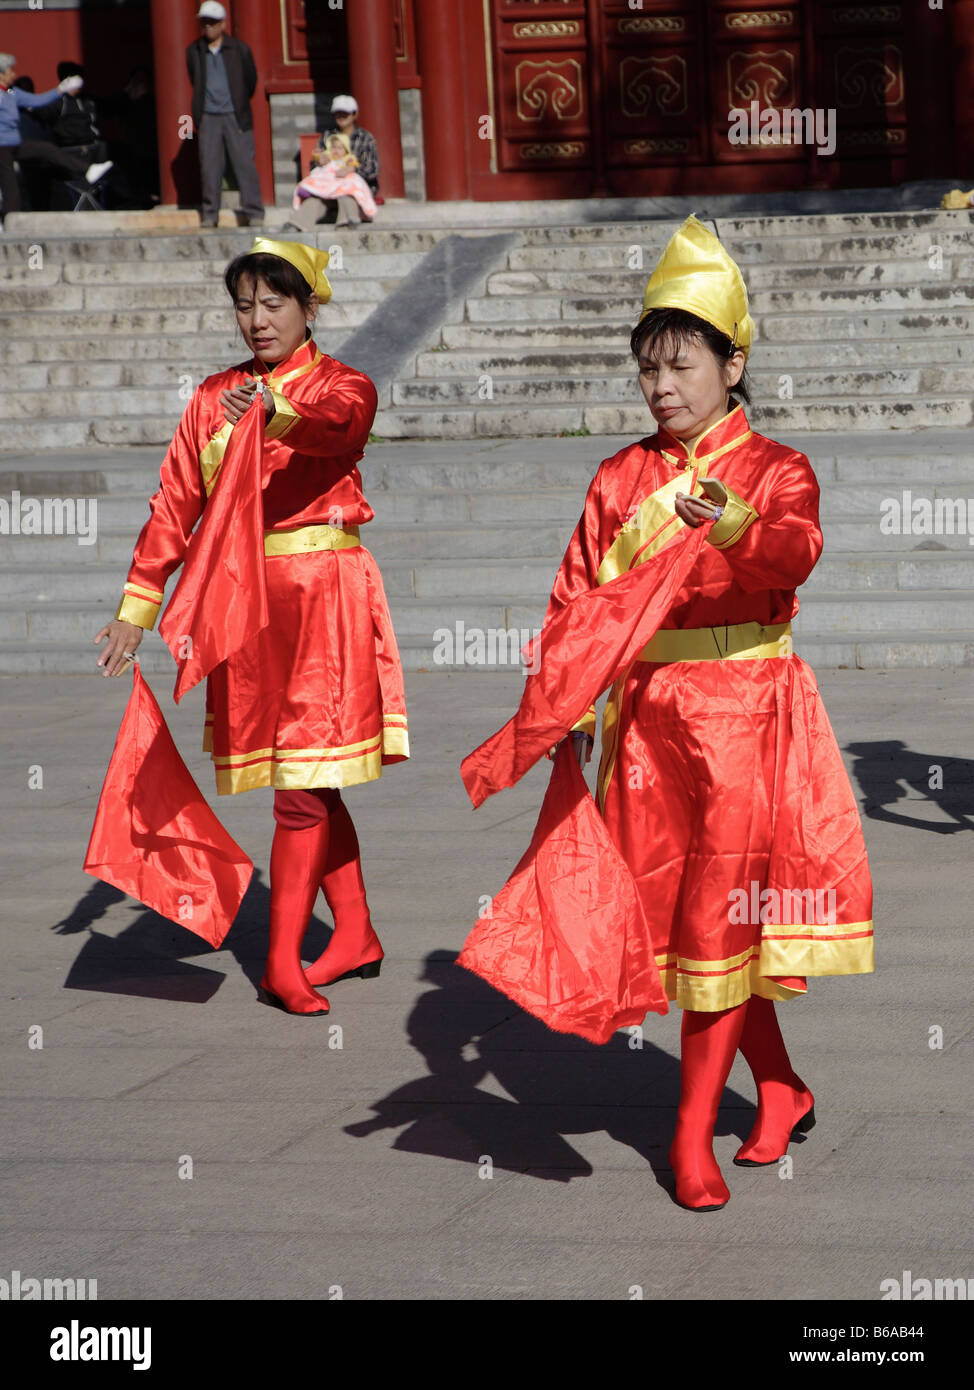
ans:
(680, 327)
(283, 277)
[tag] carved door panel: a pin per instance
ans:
(640, 91)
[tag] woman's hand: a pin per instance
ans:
(583, 746)
(123, 638)
(694, 510)
(238, 401)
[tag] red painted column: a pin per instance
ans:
(249, 24)
(439, 44)
(174, 28)
(372, 73)
(962, 33)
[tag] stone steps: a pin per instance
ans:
(479, 539)
(148, 322)
(909, 648)
(950, 380)
(789, 329)
(869, 314)
(607, 245)
(456, 580)
(210, 250)
(841, 613)
(485, 421)
(630, 284)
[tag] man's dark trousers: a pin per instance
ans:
(220, 136)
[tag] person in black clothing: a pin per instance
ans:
(224, 78)
(71, 122)
(133, 141)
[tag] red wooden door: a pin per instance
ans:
(636, 95)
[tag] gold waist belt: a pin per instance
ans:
(303, 539)
(737, 642)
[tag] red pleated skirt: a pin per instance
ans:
(317, 698)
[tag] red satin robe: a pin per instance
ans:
(316, 698)
(721, 779)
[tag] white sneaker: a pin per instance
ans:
(96, 171)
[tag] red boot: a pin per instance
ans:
(297, 862)
(708, 1042)
(354, 948)
(785, 1103)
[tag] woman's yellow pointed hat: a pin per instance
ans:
(307, 259)
(695, 273)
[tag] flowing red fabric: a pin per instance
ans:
(220, 601)
(154, 835)
(566, 937)
(583, 649)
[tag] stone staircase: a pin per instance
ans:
(104, 338)
(864, 322)
(865, 360)
(475, 536)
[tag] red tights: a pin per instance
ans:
(708, 1044)
(315, 846)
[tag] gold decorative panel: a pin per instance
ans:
(547, 29)
(760, 19)
(548, 89)
(768, 78)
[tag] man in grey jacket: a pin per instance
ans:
(224, 78)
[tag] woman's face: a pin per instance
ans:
(273, 325)
(685, 386)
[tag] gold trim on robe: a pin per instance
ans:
(791, 952)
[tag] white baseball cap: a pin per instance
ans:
(211, 10)
(345, 104)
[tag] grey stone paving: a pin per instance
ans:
(360, 1167)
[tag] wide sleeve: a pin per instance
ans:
(174, 511)
(335, 422)
(775, 544)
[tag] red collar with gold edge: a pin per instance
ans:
(301, 360)
(730, 431)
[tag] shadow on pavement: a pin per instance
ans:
(884, 768)
(558, 1085)
(148, 957)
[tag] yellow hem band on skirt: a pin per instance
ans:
(711, 985)
(296, 768)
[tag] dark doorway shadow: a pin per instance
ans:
(557, 1085)
(886, 767)
(152, 957)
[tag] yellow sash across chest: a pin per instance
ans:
(650, 527)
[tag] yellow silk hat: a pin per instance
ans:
(307, 259)
(695, 273)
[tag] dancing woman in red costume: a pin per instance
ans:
(314, 702)
(720, 780)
